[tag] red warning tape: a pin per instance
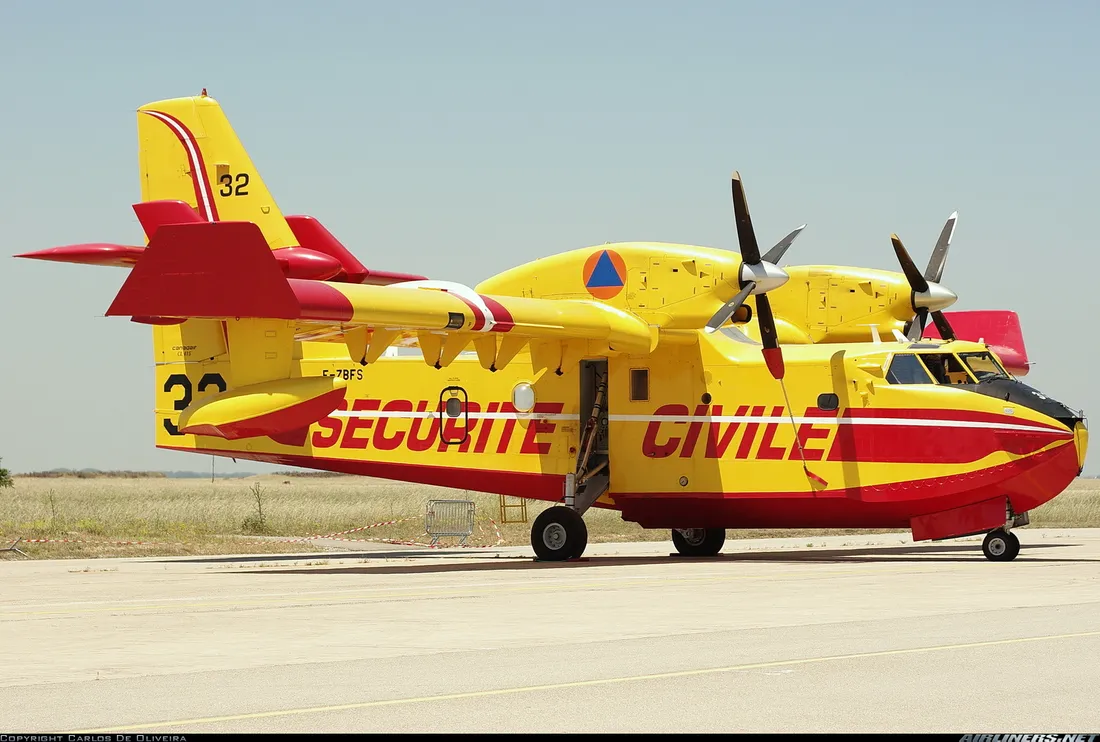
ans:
(330, 536)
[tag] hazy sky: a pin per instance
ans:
(459, 139)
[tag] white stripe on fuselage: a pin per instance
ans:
(457, 289)
(887, 421)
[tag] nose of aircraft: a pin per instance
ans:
(935, 299)
(1081, 440)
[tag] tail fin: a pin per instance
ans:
(998, 329)
(189, 152)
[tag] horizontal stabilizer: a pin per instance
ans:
(271, 408)
(209, 270)
(96, 253)
(156, 214)
(999, 329)
(313, 235)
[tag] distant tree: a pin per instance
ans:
(5, 477)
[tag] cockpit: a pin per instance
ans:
(974, 371)
(944, 368)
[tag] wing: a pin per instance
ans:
(225, 270)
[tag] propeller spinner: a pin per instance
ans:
(928, 296)
(757, 276)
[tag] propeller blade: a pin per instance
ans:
(769, 337)
(746, 237)
(916, 281)
(916, 327)
(730, 307)
(943, 326)
(936, 263)
(776, 253)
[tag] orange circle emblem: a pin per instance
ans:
(604, 274)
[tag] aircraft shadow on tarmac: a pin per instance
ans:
(484, 562)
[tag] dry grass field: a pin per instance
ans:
(85, 517)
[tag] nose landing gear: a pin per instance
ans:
(698, 542)
(1001, 546)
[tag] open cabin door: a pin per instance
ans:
(593, 471)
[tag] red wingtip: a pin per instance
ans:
(773, 357)
(313, 235)
(999, 329)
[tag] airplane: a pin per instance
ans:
(619, 376)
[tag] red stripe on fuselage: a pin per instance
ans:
(502, 316)
(1027, 483)
(479, 316)
(924, 444)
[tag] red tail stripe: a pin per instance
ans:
(204, 196)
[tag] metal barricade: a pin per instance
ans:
(449, 518)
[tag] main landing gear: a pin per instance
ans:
(1001, 545)
(559, 533)
(698, 542)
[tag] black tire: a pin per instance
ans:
(1001, 546)
(697, 542)
(559, 533)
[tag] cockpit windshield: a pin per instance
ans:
(946, 368)
(984, 366)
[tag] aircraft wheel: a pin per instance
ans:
(1001, 546)
(559, 533)
(698, 541)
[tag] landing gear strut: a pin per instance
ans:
(1001, 545)
(697, 542)
(559, 533)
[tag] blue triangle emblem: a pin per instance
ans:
(604, 274)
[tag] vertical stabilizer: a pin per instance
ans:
(189, 152)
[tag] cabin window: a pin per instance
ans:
(946, 368)
(906, 368)
(453, 407)
(828, 402)
(639, 385)
(984, 366)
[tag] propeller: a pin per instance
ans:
(756, 276)
(928, 297)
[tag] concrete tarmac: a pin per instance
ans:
(862, 634)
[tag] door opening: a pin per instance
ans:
(593, 473)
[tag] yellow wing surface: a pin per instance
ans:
(224, 271)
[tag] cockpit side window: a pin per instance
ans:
(984, 366)
(906, 368)
(946, 368)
